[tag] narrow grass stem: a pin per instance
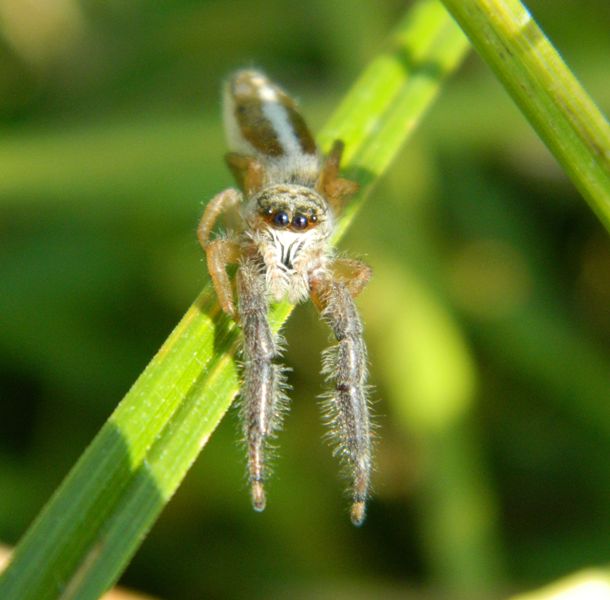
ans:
(546, 91)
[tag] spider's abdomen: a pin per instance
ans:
(261, 120)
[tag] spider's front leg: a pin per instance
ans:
(221, 252)
(345, 365)
(262, 394)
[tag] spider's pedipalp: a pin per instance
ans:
(262, 395)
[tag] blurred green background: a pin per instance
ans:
(488, 316)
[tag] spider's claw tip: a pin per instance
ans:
(357, 514)
(258, 496)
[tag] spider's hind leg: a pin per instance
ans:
(345, 365)
(262, 393)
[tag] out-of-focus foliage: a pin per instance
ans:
(488, 319)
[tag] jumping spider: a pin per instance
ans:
(290, 199)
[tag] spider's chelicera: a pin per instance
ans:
(290, 197)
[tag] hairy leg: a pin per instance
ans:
(354, 273)
(334, 188)
(221, 203)
(248, 172)
(221, 252)
(345, 366)
(262, 396)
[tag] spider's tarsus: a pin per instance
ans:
(259, 500)
(357, 514)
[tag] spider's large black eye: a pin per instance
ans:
(299, 221)
(281, 219)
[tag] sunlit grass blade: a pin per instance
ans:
(589, 583)
(545, 90)
(86, 534)
(393, 93)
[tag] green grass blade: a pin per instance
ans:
(587, 583)
(88, 531)
(545, 90)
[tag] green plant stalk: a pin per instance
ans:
(86, 534)
(545, 90)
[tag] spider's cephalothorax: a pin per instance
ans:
(289, 200)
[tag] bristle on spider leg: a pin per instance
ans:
(347, 414)
(262, 396)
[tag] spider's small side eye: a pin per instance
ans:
(299, 221)
(281, 219)
(267, 211)
(313, 218)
